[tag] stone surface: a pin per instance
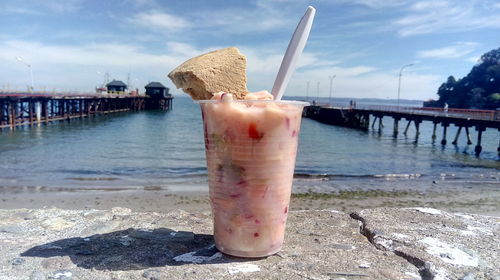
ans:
(419, 243)
(440, 244)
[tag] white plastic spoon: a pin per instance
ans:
(293, 52)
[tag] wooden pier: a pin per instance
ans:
(17, 109)
(359, 117)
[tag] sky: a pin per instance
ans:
(72, 44)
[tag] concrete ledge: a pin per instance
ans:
(382, 243)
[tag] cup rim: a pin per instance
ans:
(292, 102)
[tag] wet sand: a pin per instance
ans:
(483, 198)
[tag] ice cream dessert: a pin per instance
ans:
(251, 145)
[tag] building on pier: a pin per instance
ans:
(116, 87)
(156, 89)
(157, 96)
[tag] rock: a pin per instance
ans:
(181, 236)
(152, 274)
(18, 261)
(364, 265)
(121, 211)
(62, 274)
(440, 244)
(57, 263)
(12, 229)
(37, 275)
(57, 224)
(390, 244)
(100, 227)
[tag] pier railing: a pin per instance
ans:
(19, 108)
(473, 114)
(358, 116)
(72, 94)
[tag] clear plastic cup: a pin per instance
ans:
(251, 148)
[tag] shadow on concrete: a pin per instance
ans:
(134, 249)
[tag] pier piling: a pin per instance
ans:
(407, 127)
(469, 140)
(445, 127)
(417, 126)
(478, 147)
(395, 129)
(498, 149)
(434, 131)
(34, 109)
(359, 117)
(455, 141)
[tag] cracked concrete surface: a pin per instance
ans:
(121, 244)
(441, 245)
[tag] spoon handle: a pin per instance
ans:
(293, 52)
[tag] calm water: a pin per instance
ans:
(166, 149)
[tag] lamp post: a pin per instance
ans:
(307, 91)
(20, 59)
(399, 82)
(331, 83)
(317, 90)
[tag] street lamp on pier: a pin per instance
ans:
(317, 90)
(331, 83)
(307, 91)
(399, 82)
(21, 59)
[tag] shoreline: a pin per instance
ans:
(452, 196)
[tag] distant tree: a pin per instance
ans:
(446, 90)
(476, 90)
(493, 101)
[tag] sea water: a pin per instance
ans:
(166, 150)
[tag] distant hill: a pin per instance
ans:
(480, 89)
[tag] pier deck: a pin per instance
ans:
(17, 109)
(359, 117)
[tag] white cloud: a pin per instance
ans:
(143, 3)
(32, 7)
(66, 6)
(474, 59)
(263, 67)
(160, 20)
(19, 10)
(63, 66)
(456, 50)
(263, 16)
(370, 85)
(378, 4)
(240, 22)
(446, 16)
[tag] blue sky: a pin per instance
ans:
(71, 44)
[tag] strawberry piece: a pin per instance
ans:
(253, 132)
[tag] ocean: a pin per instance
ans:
(165, 149)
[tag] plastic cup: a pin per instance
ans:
(251, 148)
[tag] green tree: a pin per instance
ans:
(477, 89)
(493, 101)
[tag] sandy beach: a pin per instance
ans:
(483, 198)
